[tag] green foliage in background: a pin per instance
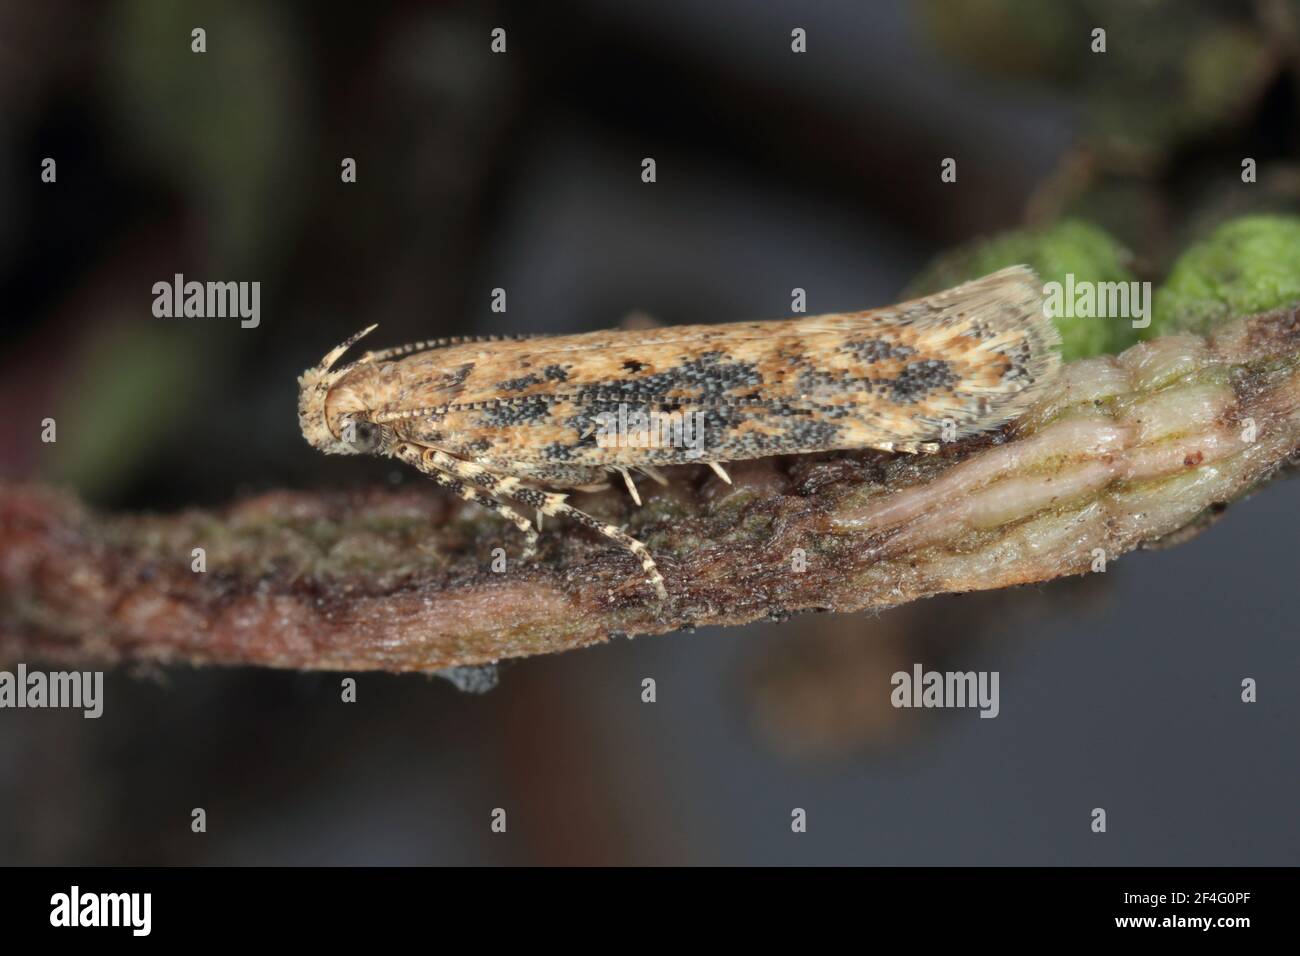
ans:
(224, 125)
(136, 386)
(1245, 266)
(1069, 247)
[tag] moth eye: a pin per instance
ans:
(362, 436)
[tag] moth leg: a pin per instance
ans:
(420, 459)
(719, 471)
(908, 447)
(631, 485)
(492, 504)
(578, 477)
(554, 504)
(492, 482)
(653, 473)
(548, 503)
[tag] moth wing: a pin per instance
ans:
(965, 357)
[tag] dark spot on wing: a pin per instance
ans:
(811, 433)
(708, 376)
(877, 350)
(458, 376)
(557, 452)
(587, 423)
(519, 384)
(523, 411)
(919, 379)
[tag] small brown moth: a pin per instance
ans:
(495, 418)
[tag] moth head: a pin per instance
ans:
(353, 435)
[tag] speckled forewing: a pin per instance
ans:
(880, 378)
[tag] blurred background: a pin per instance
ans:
(522, 170)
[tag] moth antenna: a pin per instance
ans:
(336, 353)
(390, 416)
(427, 344)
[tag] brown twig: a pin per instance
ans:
(1124, 451)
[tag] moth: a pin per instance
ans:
(499, 419)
